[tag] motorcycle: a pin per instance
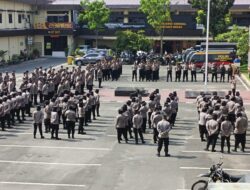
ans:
(215, 175)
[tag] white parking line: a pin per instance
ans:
(225, 169)
(40, 184)
(46, 163)
(112, 135)
(244, 84)
(54, 147)
(209, 152)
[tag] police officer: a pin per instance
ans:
(169, 72)
(137, 126)
(222, 72)
(2, 115)
(178, 69)
(241, 125)
(214, 72)
(163, 128)
(134, 72)
(193, 72)
(120, 123)
(54, 121)
(185, 72)
(70, 121)
(38, 119)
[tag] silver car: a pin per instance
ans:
(89, 58)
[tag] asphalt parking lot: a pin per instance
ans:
(97, 162)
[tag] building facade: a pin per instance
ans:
(51, 27)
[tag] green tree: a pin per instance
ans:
(220, 17)
(132, 41)
(157, 12)
(239, 36)
(96, 14)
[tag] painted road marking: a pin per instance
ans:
(226, 169)
(46, 163)
(209, 152)
(54, 147)
(40, 184)
(244, 84)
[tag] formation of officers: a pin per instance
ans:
(64, 95)
(222, 116)
(149, 71)
(134, 117)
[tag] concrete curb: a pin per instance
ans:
(244, 78)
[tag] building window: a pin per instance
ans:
(10, 18)
(19, 19)
(1, 18)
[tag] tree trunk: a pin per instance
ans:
(161, 41)
(96, 39)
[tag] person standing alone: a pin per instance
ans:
(163, 128)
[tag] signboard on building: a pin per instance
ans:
(174, 25)
(53, 25)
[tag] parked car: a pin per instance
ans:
(89, 58)
(84, 48)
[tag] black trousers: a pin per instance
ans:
(134, 75)
(203, 131)
(223, 139)
(162, 141)
(169, 76)
(23, 112)
(39, 125)
(212, 139)
(93, 111)
(154, 76)
(129, 130)
(17, 110)
(173, 118)
(136, 132)
(155, 135)
(12, 115)
(2, 121)
(214, 76)
(89, 87)
(54, 131)
(7, 119)
(193, 76)
(141, 75)
(47, 125)
(120, 132)
(40, 96)
(70, 128)
(33, 98)
(149, 120)
(100, 82)
(178, 76)
(229, 76)
(97, 109)
(222, 77)
(233, 91)
(144, 125)
(240, 139)
(80, 127)
(185, 75)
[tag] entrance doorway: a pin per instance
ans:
(54, 44)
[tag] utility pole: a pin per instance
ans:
(207, 42)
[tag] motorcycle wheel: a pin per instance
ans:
(199, 185)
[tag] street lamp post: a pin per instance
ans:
(207, 41)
